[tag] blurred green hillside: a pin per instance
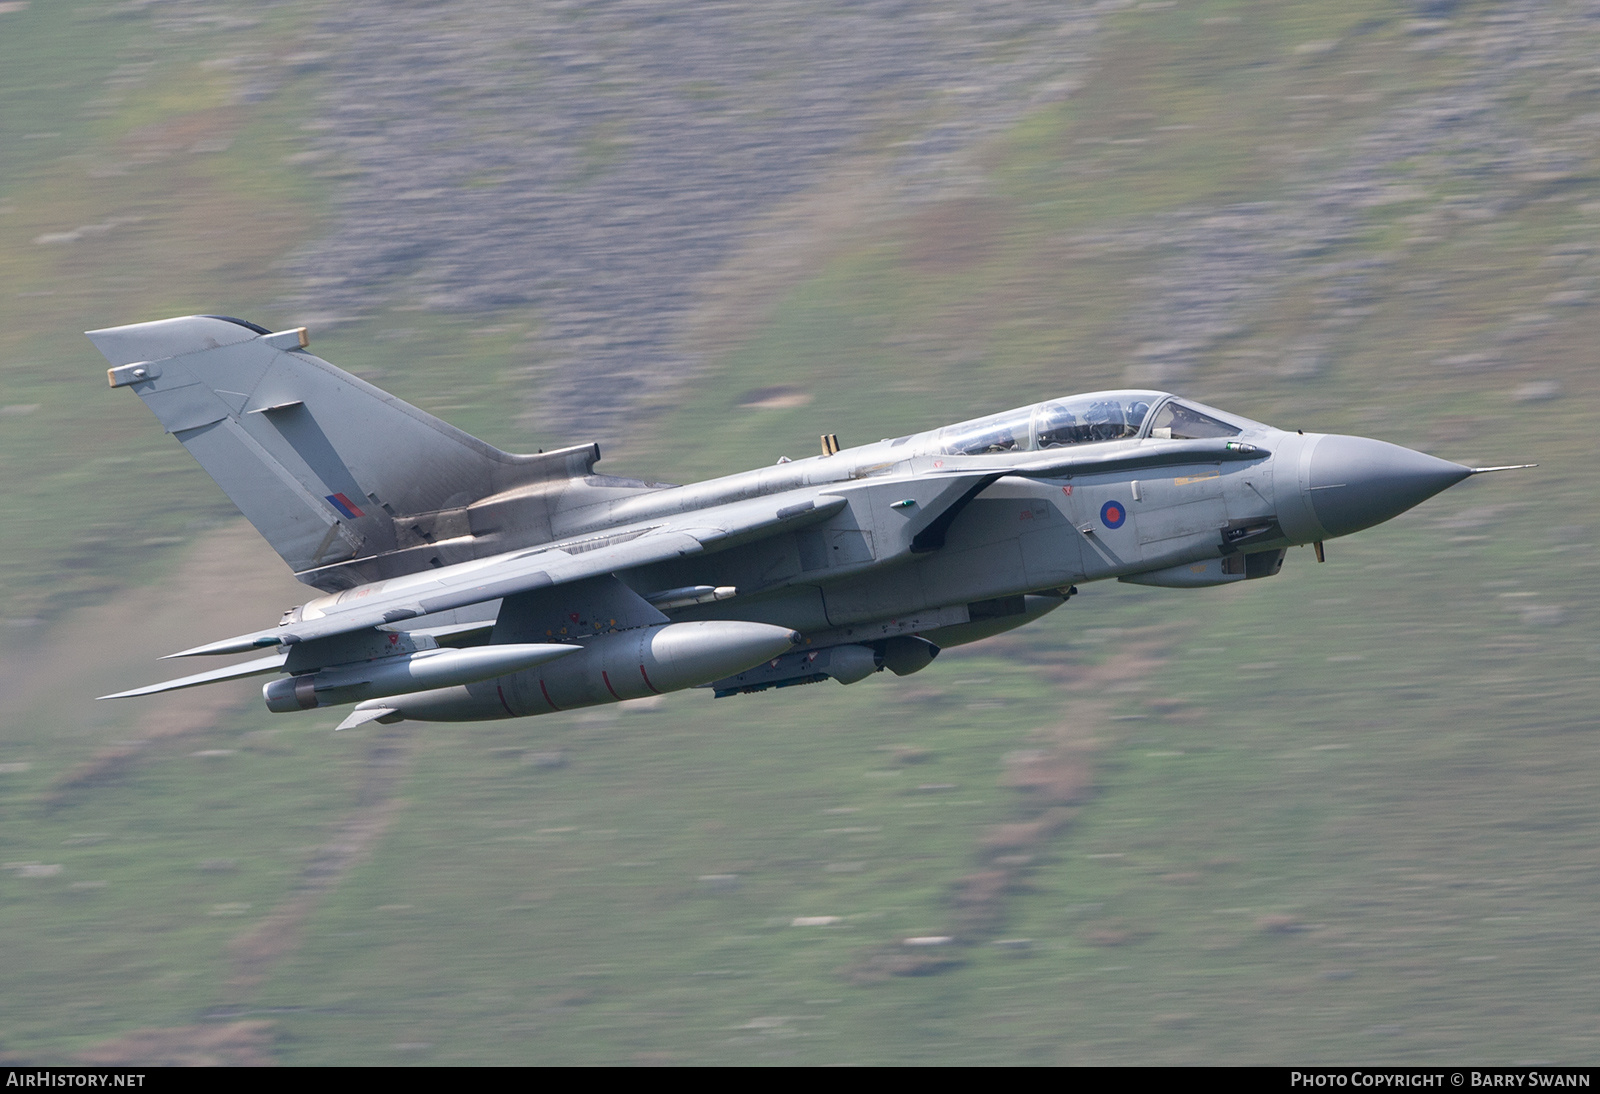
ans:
(1343, 816)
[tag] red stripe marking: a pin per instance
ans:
(609, 688)
(547, 696)
(500, 691)
(647, 682)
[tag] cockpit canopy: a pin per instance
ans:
(1082, 419)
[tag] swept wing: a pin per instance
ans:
(523, 571)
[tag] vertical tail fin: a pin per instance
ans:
(327, 467)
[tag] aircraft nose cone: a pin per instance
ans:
(1357, 482)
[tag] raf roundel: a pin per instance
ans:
(1112, 514)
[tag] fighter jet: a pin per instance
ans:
(459, 582)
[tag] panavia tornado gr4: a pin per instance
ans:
(460, 582)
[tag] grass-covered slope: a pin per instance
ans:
(1344, 815)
